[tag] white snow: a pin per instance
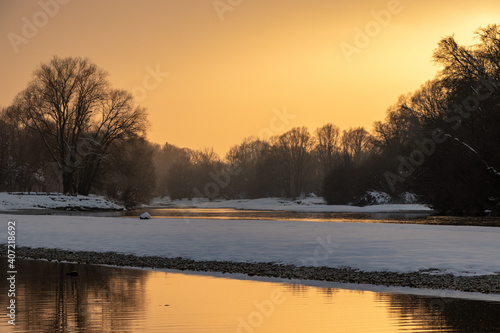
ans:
(145, 216)
(409, 198)
(53, 201)
(461, 250)
(377, 197)
(310, 204)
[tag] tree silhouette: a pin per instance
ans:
(77, 114)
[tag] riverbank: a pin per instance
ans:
(488, 284)
(55, 201)
(306, 205)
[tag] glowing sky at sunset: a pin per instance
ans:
(230, 66)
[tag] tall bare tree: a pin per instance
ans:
(355, 142)
(292, 151)
(71, 104)
(478, 62)
(327, 146)
(246, 160)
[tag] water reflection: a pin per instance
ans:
(237, 214)
(48, 300)
(417, 217)
(444, 312)
(109, 299)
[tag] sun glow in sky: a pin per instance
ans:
(214, 72)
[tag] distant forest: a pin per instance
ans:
(70, 131)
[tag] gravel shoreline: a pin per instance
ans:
(488, 284)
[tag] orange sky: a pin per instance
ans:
(230, 69)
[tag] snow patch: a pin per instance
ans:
(409, 198)
(19, 201)
(375, 198)
(459, 250)
(309, 204)
(145, 216)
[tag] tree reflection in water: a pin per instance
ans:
(100, 297)
(457, 315)
(105, 299)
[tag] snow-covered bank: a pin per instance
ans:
(310, 204)
(459, 250)
(54, 201)
(27, 201)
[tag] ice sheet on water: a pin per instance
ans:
(461, 250)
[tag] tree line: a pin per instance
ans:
(70, 131)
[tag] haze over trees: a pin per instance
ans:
(70, 131)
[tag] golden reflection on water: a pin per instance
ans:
(227, 305)
(110, 299)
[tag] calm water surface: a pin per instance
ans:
(419, 217)
(110, 299)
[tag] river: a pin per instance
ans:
(111, 299)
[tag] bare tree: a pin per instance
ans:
(246, 159)
(327, 146)
(170, 180)
(292, 151)
(430, 102)
(24, 164)
(478, 62)
(207, 164)
(179, 177)
(206, 158)
(77, 114)
(128, 173)
(355, 142)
